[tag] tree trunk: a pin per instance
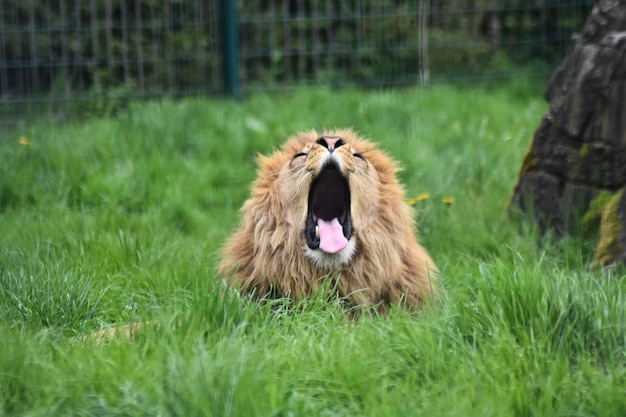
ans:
(578, 153)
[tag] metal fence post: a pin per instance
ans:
(230, 49)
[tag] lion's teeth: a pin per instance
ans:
(317, 232)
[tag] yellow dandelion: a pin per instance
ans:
(448, 200)
(24, 141)
(420, 197)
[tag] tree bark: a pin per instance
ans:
(579, 149)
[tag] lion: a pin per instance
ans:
(329, 204)
(325, 205)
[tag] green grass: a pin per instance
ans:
(118, 220)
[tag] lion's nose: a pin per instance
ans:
(330, 142)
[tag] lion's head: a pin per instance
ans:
(329, 203)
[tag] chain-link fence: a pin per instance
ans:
(59, 58)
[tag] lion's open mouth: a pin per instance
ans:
(328, 223)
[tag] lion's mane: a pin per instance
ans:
(273, 252)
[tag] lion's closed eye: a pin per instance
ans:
(360, 160)
(298, 159)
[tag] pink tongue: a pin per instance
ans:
(332, 239)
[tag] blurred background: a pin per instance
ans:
(68, 58)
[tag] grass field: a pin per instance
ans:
(118, 220)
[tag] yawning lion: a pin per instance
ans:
(329, 205)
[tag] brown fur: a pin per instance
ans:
(265, 256)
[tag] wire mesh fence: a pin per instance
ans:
(60, 58)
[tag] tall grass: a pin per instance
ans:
(117, 220)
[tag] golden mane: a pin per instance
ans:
(329, 203)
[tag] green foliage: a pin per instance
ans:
(120, 219)
(456, 53)
(91, 58)
(99, 51)
(532, 30)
